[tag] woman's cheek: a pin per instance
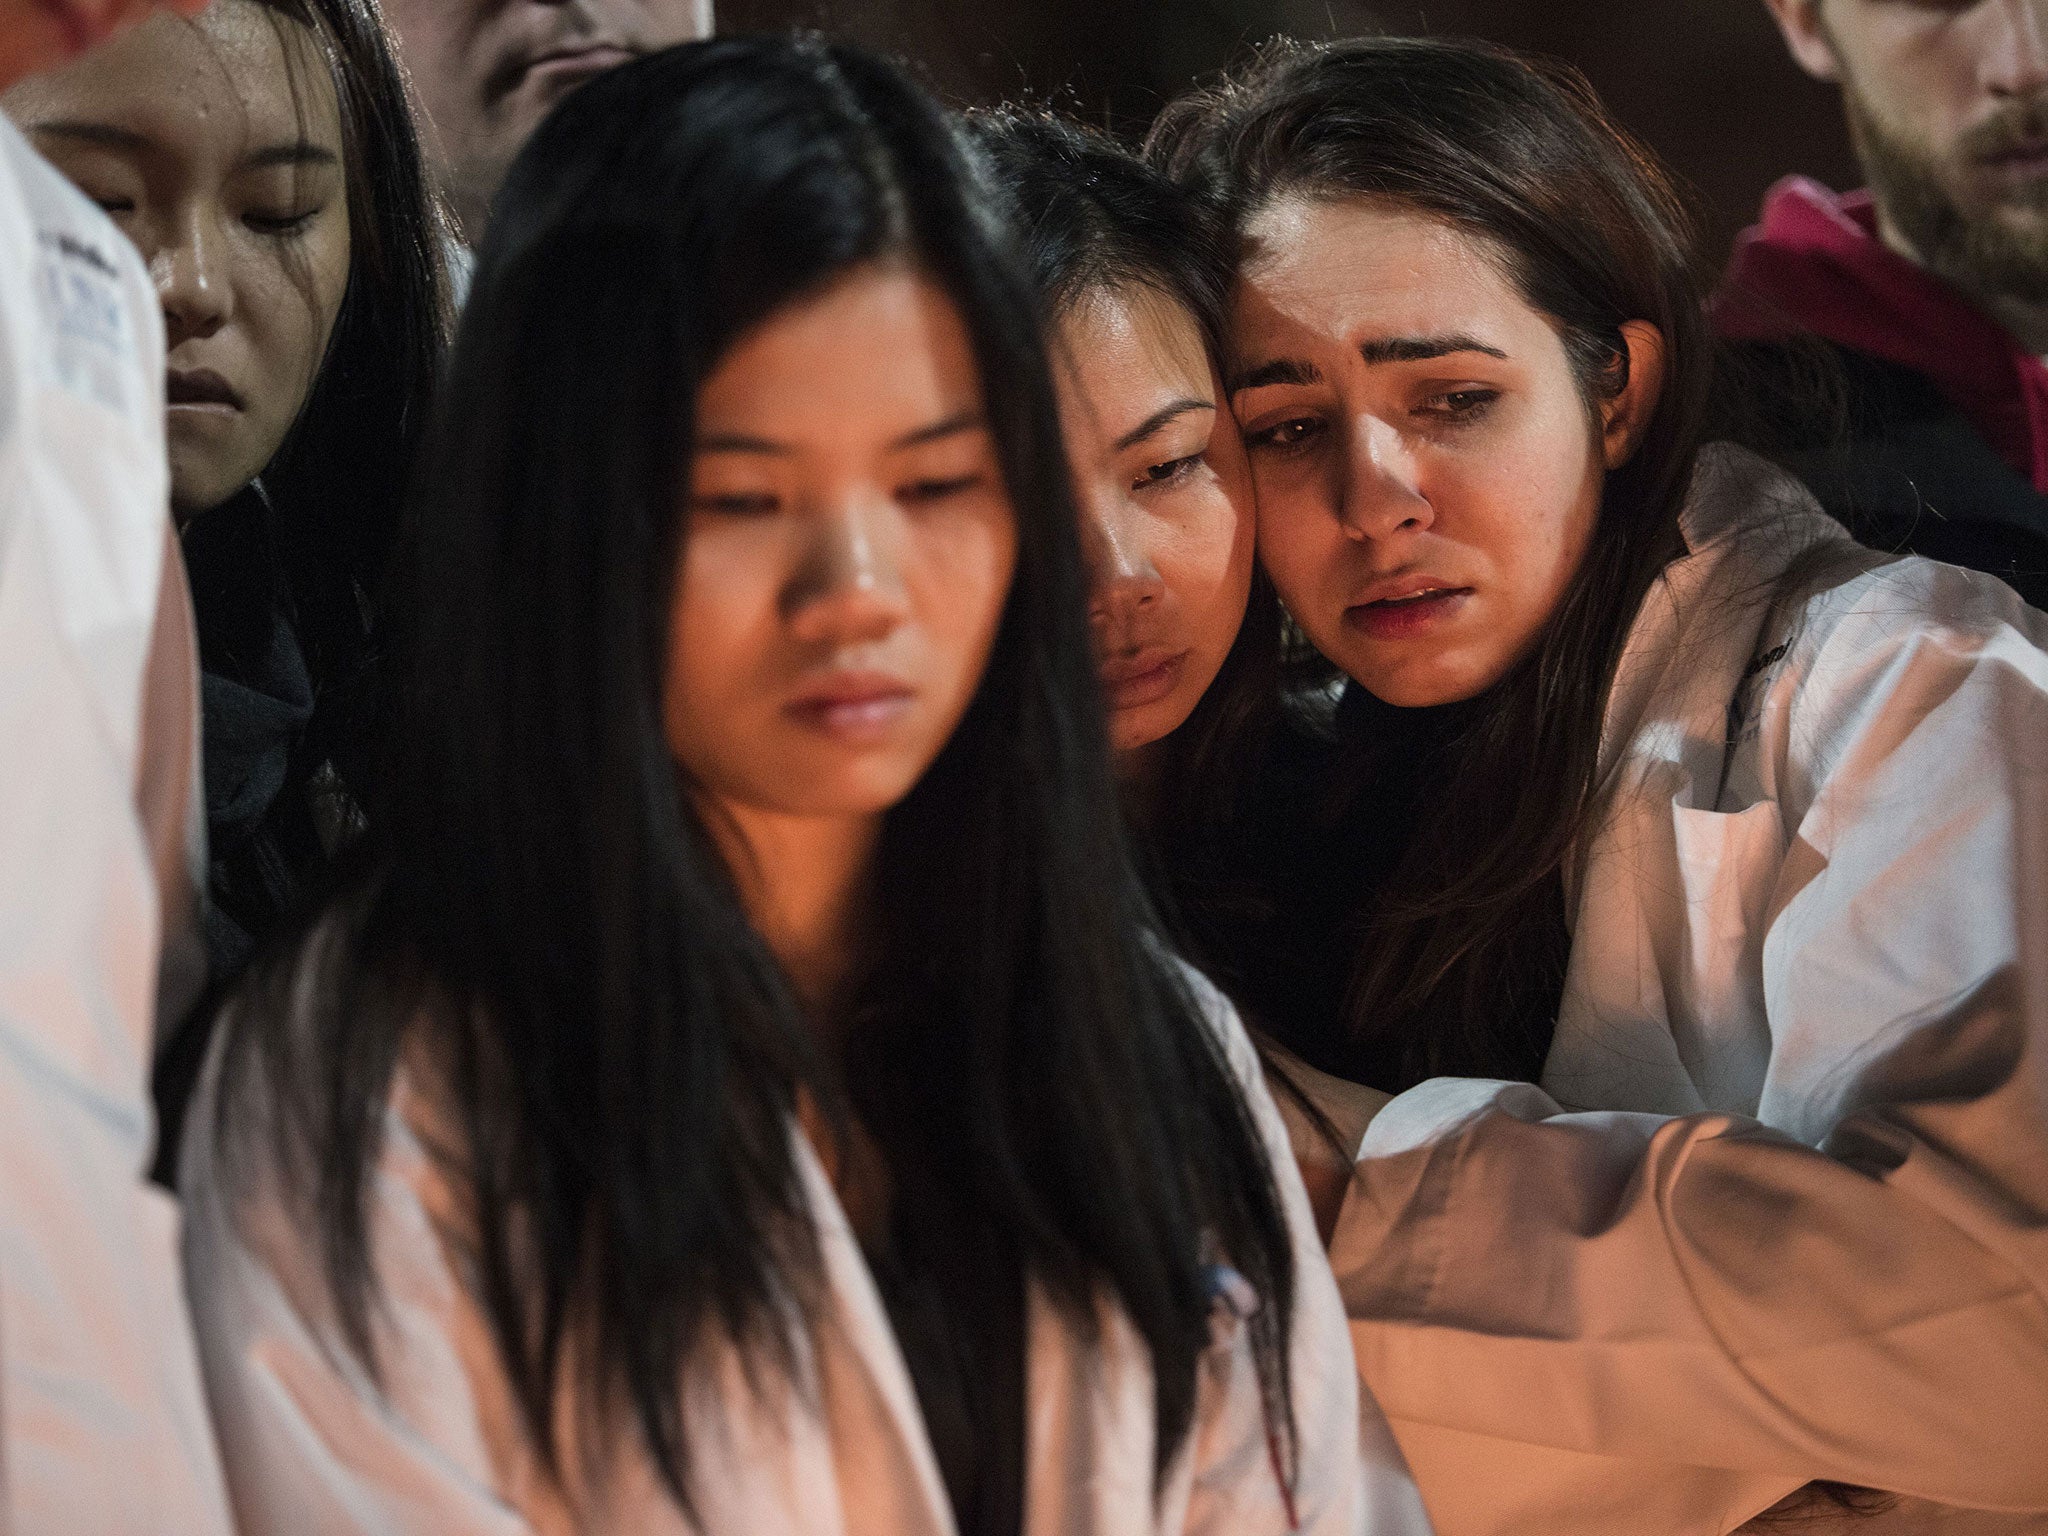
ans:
(961, 565)
(1209, 550)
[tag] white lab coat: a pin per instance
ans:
(102, 1423)
(314, 1449)
(1779, 1209)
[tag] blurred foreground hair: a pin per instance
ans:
(546, 923)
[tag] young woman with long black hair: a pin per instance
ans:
(1653, 789)
(743, 1092)
(262, 156)
(1134, 270)
(1134, 274)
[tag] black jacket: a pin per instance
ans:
(1894, 461)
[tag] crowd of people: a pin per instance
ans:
(733, 803)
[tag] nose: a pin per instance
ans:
(2015, 51)
(1122, 580)
(849, 586)
(1381, 494)
(189, 269)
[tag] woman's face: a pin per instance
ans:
(216, 145)
(1166, 508)
(848, 549)
(1428, 471)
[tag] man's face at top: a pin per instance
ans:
(1948, 107)
(487, 72)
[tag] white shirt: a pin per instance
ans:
(102, 1424)
(313, 1447)
(1779, 1210)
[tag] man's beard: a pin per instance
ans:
(1989, 253)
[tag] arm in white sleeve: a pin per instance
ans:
(1859, 1296)
(313, 1443)
(102, 1424)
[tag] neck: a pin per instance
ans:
(2027, 322)
(803, 880)
(1138, 772)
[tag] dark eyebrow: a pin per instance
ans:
(1419, 349)
(105, 135)
(304, 152)
(740, 442)
(1282, 370)
(1160, 418)
(961, 421)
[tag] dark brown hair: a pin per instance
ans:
(1462, 950)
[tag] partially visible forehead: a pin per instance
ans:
(1134, 328)
(239, 77)
(1326, 260)
(820, 360)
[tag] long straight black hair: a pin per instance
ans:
(1095, 218)
(337, 483)
(547, 921)
(1462, 952)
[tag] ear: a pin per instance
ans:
(1626, 417)
(1806, 35)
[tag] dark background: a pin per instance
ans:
(1706, 82)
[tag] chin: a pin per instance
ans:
(1417, 688)
(198, 487)
(837, 796)
(1134, 729)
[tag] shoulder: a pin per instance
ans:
(1218, 1014)
(1907, 635)
(89, 286)
(1743, 508)
(309, 1028)
(1857, 620)
(81, 368)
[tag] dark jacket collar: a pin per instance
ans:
(1814, 262)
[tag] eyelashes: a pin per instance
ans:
(1462, 405)
(1448, 408)
(280, 226)
(1171, 472)
(1285, 436)
(915, 493)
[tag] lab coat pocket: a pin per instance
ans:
(1727, 867)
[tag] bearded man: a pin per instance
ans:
(1930, 289)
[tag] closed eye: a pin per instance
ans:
(924, 492)
(738, 504)
(279, 225)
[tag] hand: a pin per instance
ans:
(1326, 1160)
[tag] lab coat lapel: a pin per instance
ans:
(888, 1475)
(1672, 717)
(1090, 1429)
